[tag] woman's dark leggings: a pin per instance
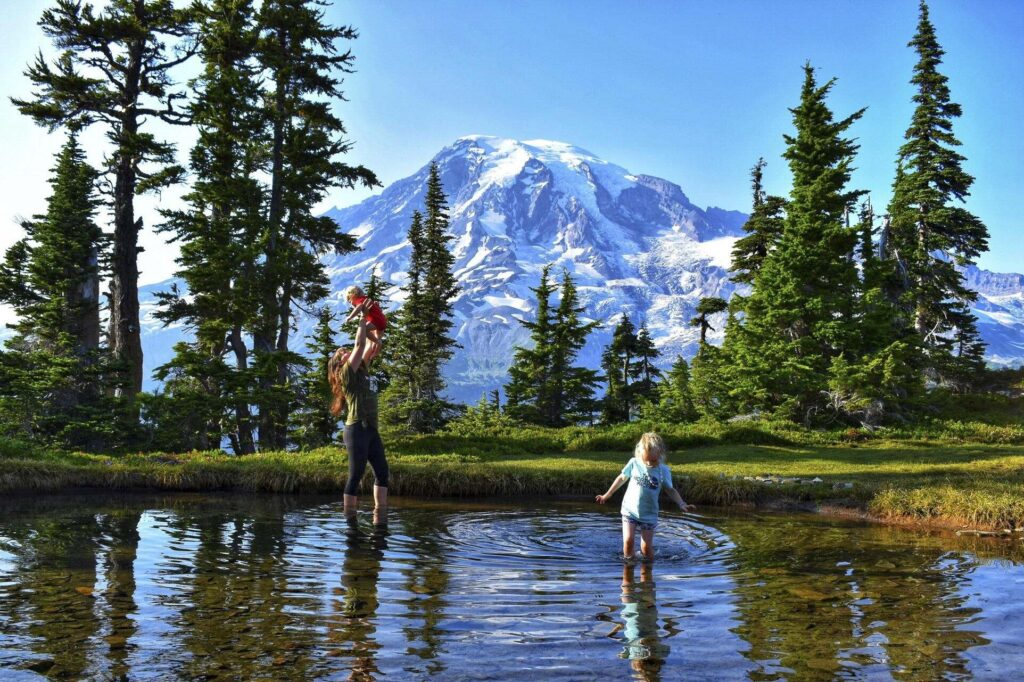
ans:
(364, 445)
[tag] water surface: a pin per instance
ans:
(263, 587)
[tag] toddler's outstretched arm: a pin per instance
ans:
(362, 307)
(616, 484)
(678, 499)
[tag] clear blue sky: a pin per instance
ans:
(690, 91)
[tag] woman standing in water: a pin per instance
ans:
(353, 392)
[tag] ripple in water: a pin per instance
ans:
(271, 587)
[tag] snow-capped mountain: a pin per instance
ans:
(633, 243)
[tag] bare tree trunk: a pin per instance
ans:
(125, 339)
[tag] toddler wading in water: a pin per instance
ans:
(647, 473)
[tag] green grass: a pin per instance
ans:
(951, 472)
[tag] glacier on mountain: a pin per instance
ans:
(634, 244)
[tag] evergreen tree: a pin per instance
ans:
(801, 312)
(414, 397)
(313, 425)
(706, 307)
(219, 230)
(114, 69)
(299, 55)
(647, 373)
(545, 386)
(527, 394)
(763, 228)
(620, 368)
(572, 387)
(53, 375)
(673, 398)
(931, 233)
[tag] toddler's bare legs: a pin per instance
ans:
(628, 535)
(373, 336)
(647, 544)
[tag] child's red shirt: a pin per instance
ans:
(374, 315)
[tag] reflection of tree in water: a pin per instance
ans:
(816, 598)
(241, 616)
(77, 619)
(427, 582)
(355, 624)
(643, 645)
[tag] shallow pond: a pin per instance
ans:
(212, 587)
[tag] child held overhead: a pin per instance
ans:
(376, 321)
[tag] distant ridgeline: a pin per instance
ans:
(633, 243)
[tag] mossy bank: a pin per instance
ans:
(954, 474)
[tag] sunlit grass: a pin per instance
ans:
(934, 474)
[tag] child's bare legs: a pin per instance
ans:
(647, 544)
(373, 335)
(628, 535)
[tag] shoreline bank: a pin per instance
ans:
(979, 488)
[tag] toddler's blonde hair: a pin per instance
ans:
(353, 291)
(649, 442)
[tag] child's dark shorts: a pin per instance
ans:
(634, 521)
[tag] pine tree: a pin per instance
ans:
(763, 228)
(801, 312)
(673, 399)
(572, 387)
(620, 368)
(423, 343)
(647, 372)
(299, 55)
(219, 230)
(931, 233)
(528, 391)
(545, 386)
(53, 374)
(114, 70)
(706, 307)
(313, 425)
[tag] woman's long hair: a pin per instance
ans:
(335, 366)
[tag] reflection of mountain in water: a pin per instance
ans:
(270, 587)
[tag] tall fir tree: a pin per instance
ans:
(299, 55)
(647, 372)
(53, 374)
(114, 70)
(572, 386)
(932, 233)
(763, 228)
(220, 227)
(672, 401)
(546, 387)
(415, 398)
(620, 369)
(528, 391)
(801, 312)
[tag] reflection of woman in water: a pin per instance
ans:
(359, 574)
(643, 646)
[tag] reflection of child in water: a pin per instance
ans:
(643, 647)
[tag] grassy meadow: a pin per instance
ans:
(964, 469)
